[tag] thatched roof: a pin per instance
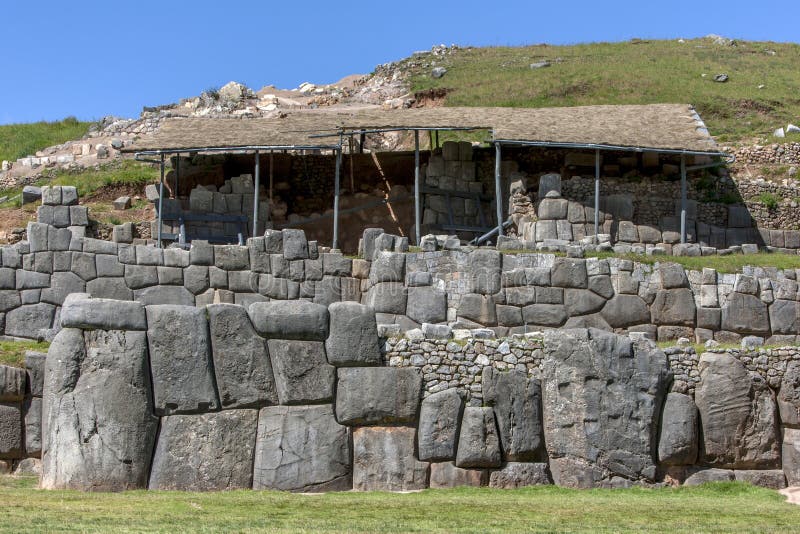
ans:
(654, 126)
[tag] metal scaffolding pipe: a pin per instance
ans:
(596, 196)
(336, 192)
(683, 198)
(161, 201)
(417, 214)
(255, 196)
(498, 190)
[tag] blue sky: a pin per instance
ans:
(91, 58)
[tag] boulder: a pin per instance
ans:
(763, 478)
(623, 311)
(383, 460)
(478, 442)
(601, 398)
(290, 319)
(301, 448)
(673, 307)
(447, 475)
(439, 420)
(703, 476)
(241, 362)
(677, 444)
(517, 402)
(426, 305)
(745, 314)
(302, 373)
(353, 337)
(183, 373)
(789, 394)
(98, 424)
(520, 474)
(738, 415)
(102, 314)
(377, 395)
(205, 452)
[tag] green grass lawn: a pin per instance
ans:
(634, 72)
(20, 140)
(732, 263)
(13, 352)
(720, 507)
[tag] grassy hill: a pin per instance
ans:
(633, 72)
(20, 140)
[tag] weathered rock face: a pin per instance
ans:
(517, 402)
(678, 442)
(205, 452)
(353, 338)
(377, 395)
(478, 442)
(302, 374)
(383, 460)
(290, 319)
(737, 414)
(241, 362)
(99, 429)
(439, 421)
(301, 448)
(791, 455)
(601, 399)
(11, 439)
(789, 394)
(180, 360)
(520, 474)
(447, 475)
(745, 313)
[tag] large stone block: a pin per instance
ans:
(298, 319)
(478, 308)
(672, 275)
(388, 297)
(517, 402)
(789, 394)
(32, 412)
(377, 395)
(102, 314)
(784, 317)
(549, 315)
(738, 415)
(520, 474)
(180, 360)
(426, 304)
(383, 460)
(61, 285)
(673, 307)
(295, 244)
(205, 452)
(439, 425)
(353, 338)
(569, 272)
(677, 444)
(12, 383)
(31, 321)
(241, 362)
(175, 295)
(745, 314)
(12, 444)
(34, 367)
(601, 398)
(484, 269)
(478, 442)
(109, 288)
(552, 209)
(302, 373)
(447, 475)
(790, 453)
(98, 424)
(387, 267)
(231, 258)
(301, 448)
(625, 310)
(582, 302)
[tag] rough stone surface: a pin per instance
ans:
(383, 460)
(241, 362)
(439, 425)
(103, 314)
(478, 442)
(678, 442)
(709, 475)
(427, 305)
(790, 453)
(673, 307)
(625, 310)
(789, 394)
(520, 474)
(601, 399)
(12, 383)
(11, 424)
(377, 395)
(180, 360)
(205, 452)
(765, 478)
(745, 314)
(98, 424)
(737, 414)
(302, 373)
(517, 402)
(301, 448)
(447, 475)
(290, 319)
(353, 337)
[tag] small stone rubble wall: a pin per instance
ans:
(262, 391)
(776, 153)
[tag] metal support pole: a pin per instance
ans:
(336, 191)
(683, 198)
(596, 196)
(417, 213)
(161, 201)
(255, 196)
(498, 190)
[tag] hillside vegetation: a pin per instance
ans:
(633, 72)
(20, 140)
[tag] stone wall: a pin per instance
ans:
(776, 153)
(296, 396)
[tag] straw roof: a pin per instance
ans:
(653, 126)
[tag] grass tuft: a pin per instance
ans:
(20, 140)
(13, 352)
